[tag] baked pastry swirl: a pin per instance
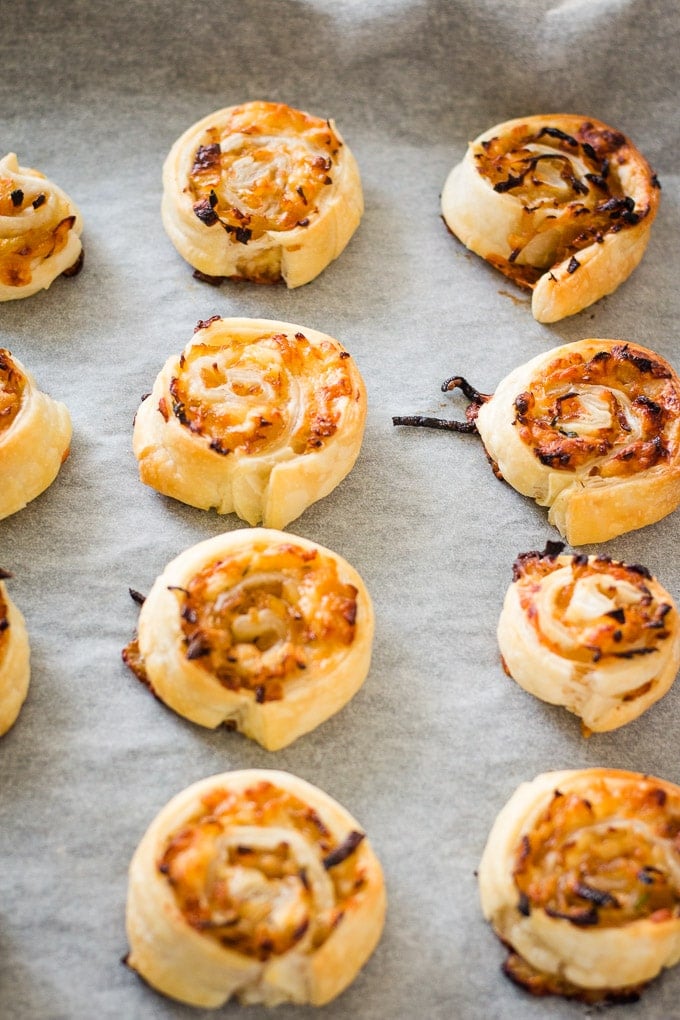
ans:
(261, 192)
(14, 659)
(592, 430)
(265, 631)
(40, 230)
(35, 433)
(580, 878)
(600, 637)
(561, 204)
(253, 884)
(256, 416)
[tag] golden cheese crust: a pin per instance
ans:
(267, 632)
(35, 436)
(256, 416)
(14, 659)
(600, 637)
(591, 430)
(261, 192)
(257, 885)
(561, 204)
(40, 230)
(580, 878)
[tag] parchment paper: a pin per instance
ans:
(94, 94)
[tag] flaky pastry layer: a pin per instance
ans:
(591, 430)
(261, 192)
(561, 204)
(257, 885)
(580, 877)
(256, 416)
(35, 436)
(267, 632)
(40, 230)
(599, 637)
(14, 659)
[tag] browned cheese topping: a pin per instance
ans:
(21, 253)
(258, 899)
(265, 169)
(576, 176)
(605, 859)
(255, 395)
(633, 619)
(12, 386)
(256, 620)
(617, 412)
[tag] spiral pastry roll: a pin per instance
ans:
(255, 416)
(561, 204)
(265, 631)
(40, 230)
(14, 659)
(257, 885)
(580, 878)
(35, 433)
(261, 192)
(592, 430)
(599, 637)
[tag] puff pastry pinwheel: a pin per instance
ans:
(14, 659)
(255, 416)
(35, 433)
(40, 230)
(561, 204)
(261, 192)
(267, 632)
(580, 878)
(599, 637)
(590, 429)
(257, 885)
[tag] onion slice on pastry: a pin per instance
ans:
(580, 878)
(14, 659)
(265, 631)
(40, 230)
(561, 204)
(590, 429)
(256, 416)
(600, 637)
(261, 192)
(257, 885)
(35, 436)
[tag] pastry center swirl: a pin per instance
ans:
(265, 169)
(12, 386)
(256, 621)
(604, 859)
(611, 416)
(255, 871)
(569, 187)
(594, 609)
(33, 227)
(257, 396)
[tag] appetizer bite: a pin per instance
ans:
(561, 204)
(14, 659)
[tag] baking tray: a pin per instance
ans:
(437, 739)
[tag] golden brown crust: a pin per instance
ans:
(256, 885)
(267, 632)
(559, 203)
(40, 230)
(590, 429)
(256, 416)
(261, 192)
(599, 637)
(14, 660)
(581, 878)
(35, 435)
